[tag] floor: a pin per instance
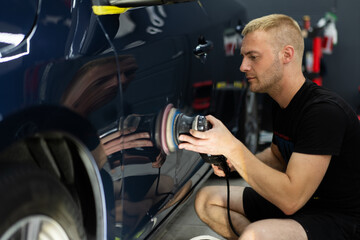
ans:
(186, 225)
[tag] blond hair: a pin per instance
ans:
(286, 31)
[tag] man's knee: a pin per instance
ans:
(274, 229)
(205, 198)
(252, 232)
(201, 199)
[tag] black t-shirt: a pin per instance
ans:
(319, 122)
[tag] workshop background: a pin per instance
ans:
(343, 65)
(342, 76)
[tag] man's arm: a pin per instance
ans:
(271, 156)
(288, 190)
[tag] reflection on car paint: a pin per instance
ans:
(134, 155)
(105, 81)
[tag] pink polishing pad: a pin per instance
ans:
(163, 128)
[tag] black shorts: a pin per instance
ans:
(318, 224)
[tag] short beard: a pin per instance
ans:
(269, 83)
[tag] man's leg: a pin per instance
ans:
(211, 207)
(274, 229)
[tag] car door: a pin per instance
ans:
(149, 179)
(144, 175)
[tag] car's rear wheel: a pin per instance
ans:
(35, 205)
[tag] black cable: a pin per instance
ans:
(228, 203)
(222, 164)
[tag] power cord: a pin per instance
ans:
(220, 161)
(226, 170)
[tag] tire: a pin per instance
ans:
(34, 204)
(249, 122)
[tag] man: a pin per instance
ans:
(306, 185)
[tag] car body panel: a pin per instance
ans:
(104, 80)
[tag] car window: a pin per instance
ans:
(17, 19)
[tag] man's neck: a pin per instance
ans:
(287, 89)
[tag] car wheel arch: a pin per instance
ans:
(46, 147)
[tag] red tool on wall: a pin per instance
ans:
(319, 40)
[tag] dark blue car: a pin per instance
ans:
(92, 96)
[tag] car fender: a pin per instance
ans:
(29, 134)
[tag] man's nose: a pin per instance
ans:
(244, 67)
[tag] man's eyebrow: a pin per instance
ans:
(250, 52)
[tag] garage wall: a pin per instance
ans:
(343, 66)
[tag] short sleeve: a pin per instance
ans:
(321, 130)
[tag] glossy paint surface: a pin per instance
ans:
(105, 80)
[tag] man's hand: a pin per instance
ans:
(125, 140)
(219, 172)
(216, 141)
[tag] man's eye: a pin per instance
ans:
(253, 57)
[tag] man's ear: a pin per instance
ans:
(288, 53)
